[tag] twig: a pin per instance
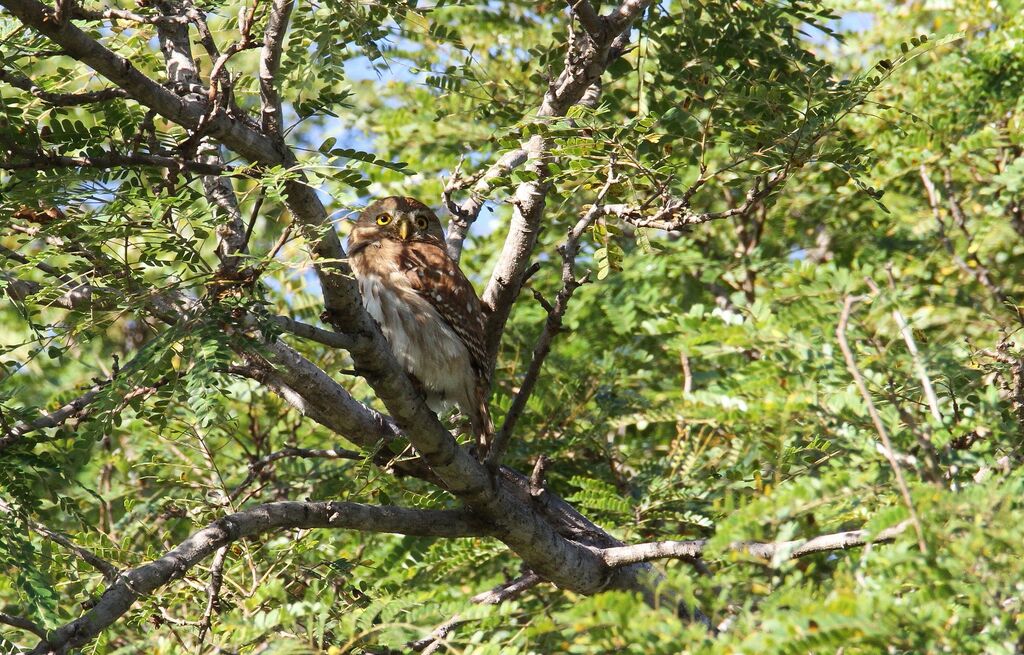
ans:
(108, 570)
(1014, 386)
(220, 80)
(675, 213)
(305, 453)
(212, 593)
(908, 338)
(495, 596)
(313, 333)
(921, 433)
(537, 477)
(851, 365)
(684, 364)
(979, 271)
(622, 555)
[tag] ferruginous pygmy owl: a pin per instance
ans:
(425, 306)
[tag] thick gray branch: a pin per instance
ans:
(143, 580)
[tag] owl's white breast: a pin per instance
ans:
(421, 340)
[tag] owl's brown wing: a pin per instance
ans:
(438, 279)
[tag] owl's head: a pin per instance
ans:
(397, 217)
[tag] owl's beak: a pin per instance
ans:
(404, 229)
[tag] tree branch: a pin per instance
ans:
(464, 214)
(979, 271)
(77, 407)
(213, 593)
(588, 17)
(113, 14)
(553, 324)
(765, 551)
(51, 419)
(138, 582)
(180, 65)
(501, 593)
(313, 333)
(585, 63)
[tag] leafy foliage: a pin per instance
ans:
(698, 390)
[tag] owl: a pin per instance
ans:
(426, 308)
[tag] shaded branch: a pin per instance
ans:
(495, 596)
(52, 419)
(22, 623)
(978, 272)
(60, 99)
(42, 162)
(765, 551)
(79, 298)
(79, 407)
(213, 592)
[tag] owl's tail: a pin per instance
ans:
(483, 428)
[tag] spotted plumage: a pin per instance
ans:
(424, 304)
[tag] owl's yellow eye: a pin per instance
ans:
(421, 223)
(383, 219)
